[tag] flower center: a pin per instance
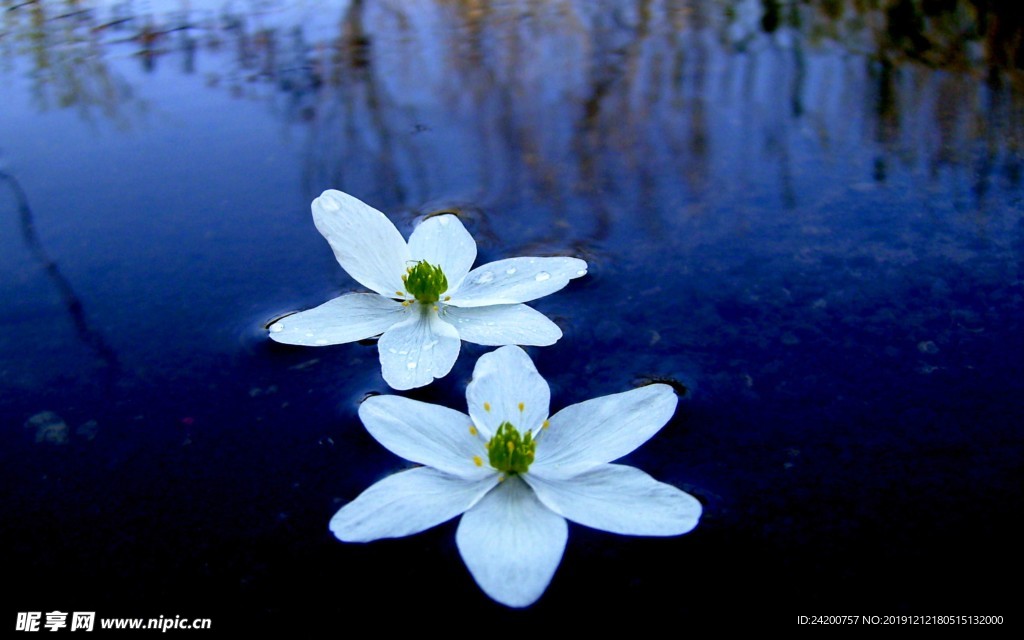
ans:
(425, 282)
(509, 452)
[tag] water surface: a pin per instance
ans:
(806, 216)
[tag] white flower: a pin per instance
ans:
(517, 475)
(428, 300)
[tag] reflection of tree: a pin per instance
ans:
(65, 47)
(354, 118)
(618, 104)
(933, 72)
(622, 108)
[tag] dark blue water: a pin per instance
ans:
(805, 216)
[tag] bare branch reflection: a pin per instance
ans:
(601, 113)
(72, 302)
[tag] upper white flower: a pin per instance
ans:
(516, 474)
(428, 300)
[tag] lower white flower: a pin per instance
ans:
(516, 474)
(426, 299)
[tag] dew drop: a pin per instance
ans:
(581, 272)
(393, 350)
(485, 278)
(542, 276)
(277, 327)
(510, 270)
(410, 365)
(444, 220)
(429, 345)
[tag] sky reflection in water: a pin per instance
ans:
(807, 216)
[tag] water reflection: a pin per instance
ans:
(85, 332)
(563, 99)
(808, 213)
(88, 335)
(66, 49)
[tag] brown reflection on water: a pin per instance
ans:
(66, 50)
(602, 107)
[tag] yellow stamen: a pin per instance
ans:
(399, 293)
(511, 446)
(472, 430)
(487, 407)
(545, 425)
(447, 298)
(405, 303)
(521, 406)
(478, 461)
(435, 307)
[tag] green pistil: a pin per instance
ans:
(510, 453)
(425, 282)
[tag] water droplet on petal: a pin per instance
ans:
(581, 272)
(277, 327)
(393, 350)
(485, 278)
(328, 203)
(444, 220)
(542, 276)
(410, 365)
(510, 270)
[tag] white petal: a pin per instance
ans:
(346, 319)
(512, 544)
(619, 499)
(503, 324)
(516, 280)
(503, 381)
(429, 434)
(365, 242)
(418, 349)
(597, 431)
(444, 242)
(407, 503)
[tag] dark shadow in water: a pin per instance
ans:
(72, 303)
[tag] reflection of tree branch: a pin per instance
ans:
(361, 105)
(635, 87)
(359, 45)
(72, 303)
(614, 69)
(68, 59)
